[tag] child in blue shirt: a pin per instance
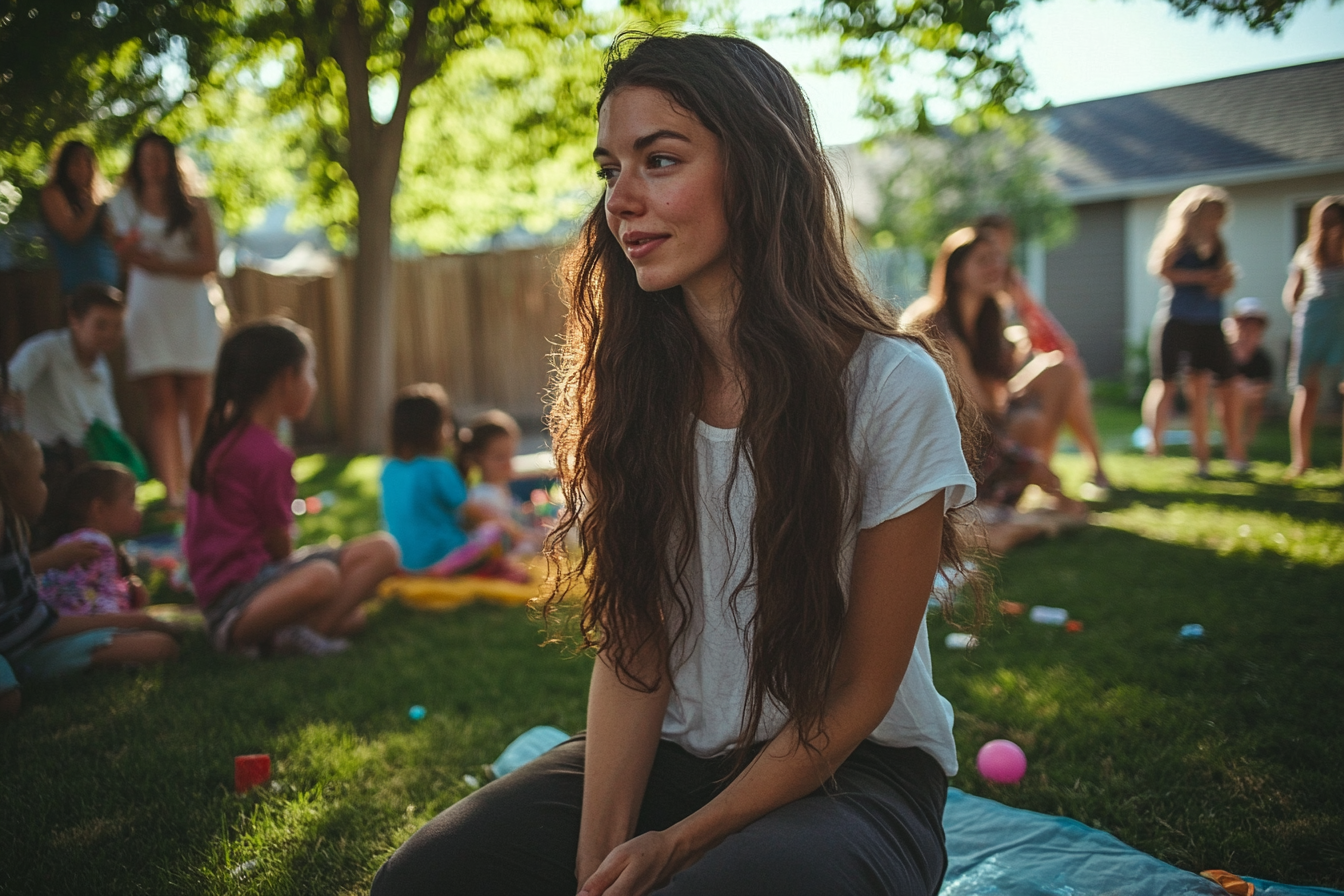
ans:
(423, 492)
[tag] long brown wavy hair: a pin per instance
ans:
(180, 211)
(629, 386)
(939, 310)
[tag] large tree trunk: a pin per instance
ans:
(374, 310)
(375, 159)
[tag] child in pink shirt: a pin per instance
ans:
(254, 590)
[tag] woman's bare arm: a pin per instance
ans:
(622, 737)
(1292, 290)
(73, 226)
(894, 565)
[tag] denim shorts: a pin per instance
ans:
(225, 610)
(57, 657)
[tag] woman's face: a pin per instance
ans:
(1206, 220)
(80, 169)
(664, 172)
(154, 162)
(983, 272)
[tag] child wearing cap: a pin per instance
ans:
(1245, 331)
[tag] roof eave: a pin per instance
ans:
(1224, 177)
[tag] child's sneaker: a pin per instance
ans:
(303, 641)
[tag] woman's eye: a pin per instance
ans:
(661, 162)
(607, 174)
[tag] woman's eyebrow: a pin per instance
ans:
(646, 140)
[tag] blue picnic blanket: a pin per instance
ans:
(995, 850)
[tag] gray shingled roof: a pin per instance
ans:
(1277, 121)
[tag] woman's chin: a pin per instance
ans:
(654, 281)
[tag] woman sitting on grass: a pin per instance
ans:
(767, 472)
(1026, 409)
(35, 642)
(254, 590)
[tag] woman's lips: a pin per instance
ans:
(637, 245)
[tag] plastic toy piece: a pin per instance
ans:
(250, 770)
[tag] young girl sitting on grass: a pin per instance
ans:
(423, 493)
(254, 590)
(489, 444)
(34, 641)
(98, 505)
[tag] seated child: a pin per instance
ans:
(255, 592)
(62, 383)
(488, 447)
(34, 642)
(423, 493)
(97, 506)
(1245, 332)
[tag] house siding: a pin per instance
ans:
(1085, 287)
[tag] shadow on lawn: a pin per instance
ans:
(1314, 505)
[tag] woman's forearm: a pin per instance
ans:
(622, 737)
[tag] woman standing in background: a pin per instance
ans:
(1314, 295)
(167, 243)
(72, 206)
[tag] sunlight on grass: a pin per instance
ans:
(361, 474)
(308, 466)
(149, 492)
(1233, 531)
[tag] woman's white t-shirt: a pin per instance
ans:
(907, 448)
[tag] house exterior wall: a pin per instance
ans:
(1260, 240)
(1085, 287)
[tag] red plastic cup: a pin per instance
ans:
(251, 770)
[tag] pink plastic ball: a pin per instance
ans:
(1002, 762)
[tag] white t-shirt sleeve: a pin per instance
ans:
(29, 363)
(911, 443)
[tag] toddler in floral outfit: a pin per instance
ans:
(98, 504)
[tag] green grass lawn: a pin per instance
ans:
(1227, 752)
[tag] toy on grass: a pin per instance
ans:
(417, 712)
(1011, 608)
(1073, 626)
(1192, 632)
(960, 641)
(1049, 615)
(250, 770)
(1002, 762)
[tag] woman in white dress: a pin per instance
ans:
(167, 245)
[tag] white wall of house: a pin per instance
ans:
(1259, 240)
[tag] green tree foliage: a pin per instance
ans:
(933, 184)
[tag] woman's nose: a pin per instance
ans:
(624, 196)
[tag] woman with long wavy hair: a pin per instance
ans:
(765, 474)
(167, 244)
(72, 206)
(1024, 407)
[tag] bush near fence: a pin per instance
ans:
(484, 326)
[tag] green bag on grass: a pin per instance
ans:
(105, 443)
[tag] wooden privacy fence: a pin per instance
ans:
(484, 326)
